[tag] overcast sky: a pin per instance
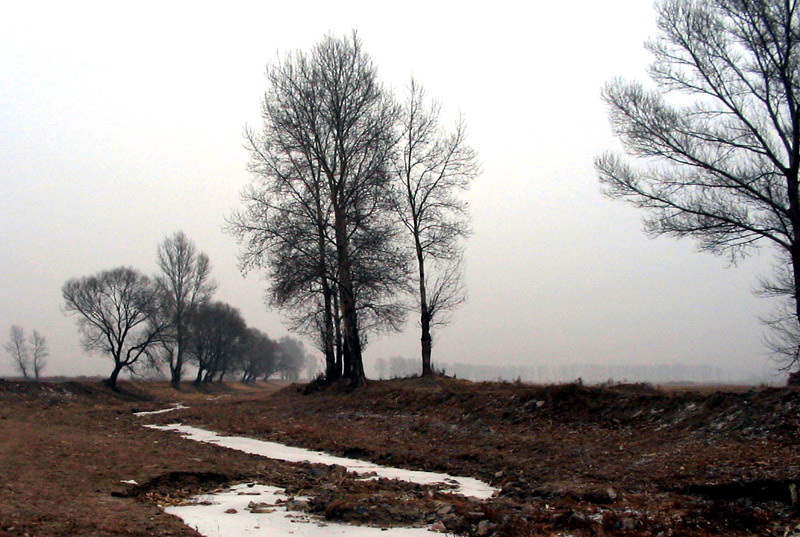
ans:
(122, 123)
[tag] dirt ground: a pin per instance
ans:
(569, 459)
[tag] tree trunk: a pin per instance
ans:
(332, 372)
(795, 254)
(175, 379)
(177, 371)
(794, 208)
(425, 314)
(337, 329)
(427, 342)
(352, 341)
(112, 380)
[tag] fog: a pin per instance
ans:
(121, 124)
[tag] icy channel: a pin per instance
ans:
(177, 406)
(226, 514)
(466, 486)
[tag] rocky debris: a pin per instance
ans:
(260, 507)
(485, 528)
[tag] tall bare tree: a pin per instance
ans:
(285, 228)
(184, 283)
(17, 347)
(433, 167)
(116, 311)
(719, 162)
(328, 134)
(39, 353)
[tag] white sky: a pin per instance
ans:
(120, 125)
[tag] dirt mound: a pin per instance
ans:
(68, 392)
(750, 414)
(173, 485)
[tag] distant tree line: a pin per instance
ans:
(401, 367)
(354, 206)
(169, 320)
(29, 355)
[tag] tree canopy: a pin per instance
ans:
(717, 141)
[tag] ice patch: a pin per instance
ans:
(466, 486)
(178, 406)
(226, 514)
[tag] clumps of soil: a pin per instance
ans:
(173, 487)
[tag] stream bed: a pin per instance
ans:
(255, 509)
(260, 510)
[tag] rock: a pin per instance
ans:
(261, 507)
(444, 510)
(317, 472)
(297, 505)
(231, 511)
(628, 524)
(451, 522)
(485, 528)
(438, 527)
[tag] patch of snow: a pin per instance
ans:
(129, 482)
(466, 486)
(226, 514)
(177, 406)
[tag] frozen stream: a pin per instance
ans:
(226, 514)
(176, 406)
(231, 514)
(461, 485)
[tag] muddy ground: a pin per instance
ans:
(569, 459)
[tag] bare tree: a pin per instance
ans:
(116, 314)
(257, 356)
(285, 228)
(720, 166)
(432, 168)
(39, 353)
(17, 347)
(291, 358)
(327, 137)
(216, 330)
(184, 285)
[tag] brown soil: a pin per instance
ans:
(569, 459)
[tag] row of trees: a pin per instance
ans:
(169, 320)
(28, 354)
(351, 189)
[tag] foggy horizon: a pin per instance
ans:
(122, 127)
